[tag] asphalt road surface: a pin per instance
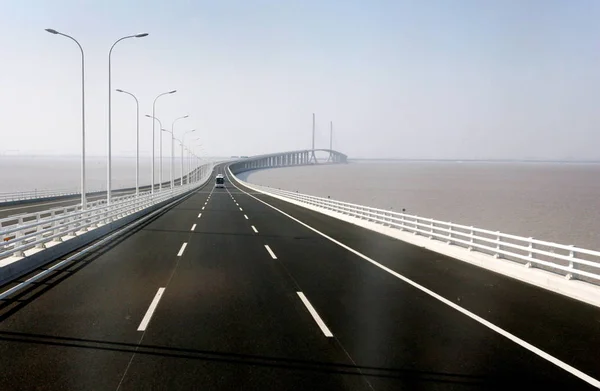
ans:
(230, 289)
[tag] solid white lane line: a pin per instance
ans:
(199, 215)
(246, 217)
(183, 246)
(270, 251)
(193, 227)
(254, 228)
(559, 363)
(148, 316)
(315, 315)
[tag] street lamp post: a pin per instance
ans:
(172, 150)
(83, 192)
(199, 160)
(160, 124)
(181, 143)
(109, 170)
(183, 140)
(137, 141)
(197, 163)
(172, 146)
(153, 133)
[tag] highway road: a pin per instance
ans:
(230, 289)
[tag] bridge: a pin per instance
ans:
(249, 287)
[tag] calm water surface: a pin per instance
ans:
(549, 201)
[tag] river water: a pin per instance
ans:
(548, 201)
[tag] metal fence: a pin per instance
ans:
(37, 229)
(570, 261)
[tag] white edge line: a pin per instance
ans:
(153, 305)
(270, 251)
(254, 228)
(559, 363)
(183, 246)
(315, 315)
(193, 227)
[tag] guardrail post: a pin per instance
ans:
(530, 254)
(39, 236)
(431, 227)
(572, 265)
(449, 241)
(471, 241)
(18, 234)
(498, 248)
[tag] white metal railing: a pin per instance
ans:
(35, 230)
(33, 194)
(571, 261)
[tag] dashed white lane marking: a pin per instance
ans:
(254, 229)
(241, 210)
(193, 227)
(153, 305)
(526, 345)
(199, 215)
(203, 208)
(183, 246)
(315, 315)
(270, 251)
(246, 217)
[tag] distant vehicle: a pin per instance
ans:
(220, 181)
(244, 157)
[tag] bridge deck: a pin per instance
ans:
(230, 316)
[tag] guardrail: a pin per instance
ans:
(570, 261)
(34, 194)
(35, 230)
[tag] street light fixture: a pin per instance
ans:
(109, 157)
(153, 134)
(137, 137)
(83, 191)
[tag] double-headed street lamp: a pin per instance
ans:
(153, 134)
(137, 137)
(109, 169)
(83, 199)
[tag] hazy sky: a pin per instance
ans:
(416, 79)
